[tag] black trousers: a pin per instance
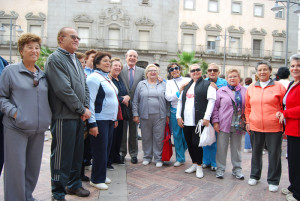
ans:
(114, 155)
(294, 165)
(192, 141)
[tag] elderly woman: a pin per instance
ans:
(225, 119)
(263, 101)
(116, 67)
(172, 95)
(150, 109)
(27, 115)
(291, 114)
(195, 103)
(104, 109)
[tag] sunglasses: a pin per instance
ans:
(195, 70)
(175, 68)
(213, 70)
(73, 37)
(35, 80)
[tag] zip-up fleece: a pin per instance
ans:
(17, 94)
(68, 92)
(262, 105)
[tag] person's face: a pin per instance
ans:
(195, 72)
(263, 72)
(31, 52)
(89, 61)
(82, 61)
(176, 71)
(104, 64)
(69, 40)
(131, 58)
(295, 69)
(116, 68)
(213, 72)
(233, 79)
(152, 73)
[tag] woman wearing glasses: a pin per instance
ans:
(172, 94)
(195, 103)
(27, 115)
(150, 109)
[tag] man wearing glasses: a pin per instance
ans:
(69, 102)
(209, 152)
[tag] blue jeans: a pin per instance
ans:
(247, 141)
(209, 154)
(179, 140)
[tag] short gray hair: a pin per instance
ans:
(131, 51)
(147, 69)
(295, 57)
(263, 62)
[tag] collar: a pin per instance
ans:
(271, 83)
(63, 51)
(23, 69)
(129, 67)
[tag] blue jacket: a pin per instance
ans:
(220, 82)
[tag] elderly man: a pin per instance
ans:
(69, 102)
(209, 152)
(131, 75)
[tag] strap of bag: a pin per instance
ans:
(198, 127)
(176, 85)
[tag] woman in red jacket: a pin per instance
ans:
(291, 114)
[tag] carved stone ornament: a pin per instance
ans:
(114, 14)
(40, 17)
(185, 25)
(217, 28)
(83, 18)
(144, 21)
(232, 29)
(14, 15)
(262, 32)
(275, 33)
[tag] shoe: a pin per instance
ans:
(199, 171)
(177, 164)
(119, 162)
(84, 178)
(122, 159)
(290, 197)
(139, 137)
(146, 162)
(285, 191)
(220, 175)
(110, 167)
(212, 168)
(204, 166)
(159, 164)
(273, 188)
(252, 182)
(107, 180)
(53, 199)
(80, 192)
(247, 150)
(134, 160)
(238, 175)
(100, 186)
(191, 169)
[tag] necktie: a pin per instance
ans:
(131, 78)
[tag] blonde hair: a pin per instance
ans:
(147, 69)
(116, 59)
(233, 70)
(194, 65)
(213, 64)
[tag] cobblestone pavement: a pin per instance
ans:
(168, 182)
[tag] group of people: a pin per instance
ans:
(97, 93)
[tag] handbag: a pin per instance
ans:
(167, 151)
(127, 112)
(239, 122)
(207, 136)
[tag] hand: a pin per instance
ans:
(87, 114)
(116, 124)
(94, 131)
(278, 115)
(217, 127)
(248, 128)
(15, 115)
(180, 122)
(281, 120)
(126, 100)
(160, 79)
(136, 119)
(182, 87)
(214, 85)
(205, 122)
(167, 119)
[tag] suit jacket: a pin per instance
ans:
(138, 76)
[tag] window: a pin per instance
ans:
(258, 10)
(145, 2)
(113, 37)
(83, 33)
(256, 48)
(36, 29)
(236, 7)
(278, 49)
(187, 44)
(144, 40)
(189, 4)
(234, 45)
(211, 43)
(213, 6)
(6, 33)
(279, 14)
(115, 1)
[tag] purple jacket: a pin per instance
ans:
(223, 109)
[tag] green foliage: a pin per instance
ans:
(45, 53)
(204, 67)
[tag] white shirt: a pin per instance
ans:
(171, 89)
(264, 84)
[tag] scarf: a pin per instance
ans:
(238, 96)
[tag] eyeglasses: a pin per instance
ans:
(73, 37)
(175, 68)
(35, 80)
(233, 77)
(195, 70)
(152, 71)
(213, 70)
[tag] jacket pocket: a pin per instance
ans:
(25, 120)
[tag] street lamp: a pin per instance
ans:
(278, 8)
(19, 30)
(225, 38)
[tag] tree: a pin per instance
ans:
(45, 53)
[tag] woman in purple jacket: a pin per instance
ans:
(230, 104)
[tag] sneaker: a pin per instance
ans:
(199, 171)
(252, 182)
(134, 160)
(107, 180)
(247, 150)
(110, 167)
(204, 166)
(212, 168)
(290, 197)
(191, 169)
(220, 175)
(177, 164)
(285, 191)
(100, 186)
(159, 164)
(80, 192)
(146, 162)
(273, 188)
(238, 175)
(53, 199)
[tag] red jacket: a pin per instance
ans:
(292, 112)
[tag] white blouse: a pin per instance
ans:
(172, 89)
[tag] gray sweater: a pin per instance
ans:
(68, 92)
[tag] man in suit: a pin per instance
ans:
(131, 75)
